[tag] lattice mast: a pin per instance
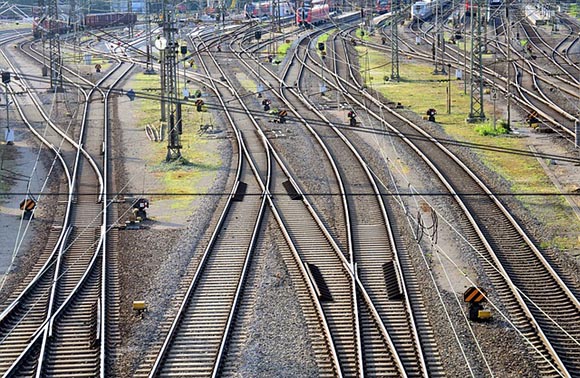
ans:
(439, 40)
(54, 26)
(170, 106)
(476, 113)
(395, 40)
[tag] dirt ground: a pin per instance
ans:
(20, 172)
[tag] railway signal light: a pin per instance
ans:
(266, 104)
(431, 114)
(321, 46)
(352, 118)
(6, 77)
(258, 34)
(183, 49)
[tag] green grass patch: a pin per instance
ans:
(487, 129)
(419, 89)
(199, 163)
(363, 34)
(283, 48)
(324, 37)
(574, 10)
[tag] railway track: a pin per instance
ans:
(371, 349)
(254, 170)
(374, 249)
(508, 253)
(355, 281)
(70, 290)
(525, 87)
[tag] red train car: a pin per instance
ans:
(469, 4)
(101, 20)
(97, 20)
(314, 13)
(49, 27)
(382, 6)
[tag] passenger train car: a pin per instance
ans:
(424, 9)
(313, 13)
(266, 9)
(383, 6)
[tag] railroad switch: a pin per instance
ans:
(281, 116)
(27, 206)
(140, 308)
(477, 313)
(475, 296)
(199, 105)
(532, 119)
(132, 224)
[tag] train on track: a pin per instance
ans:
(265, 9)
(96, 20)
(101, 20)
(422, 10)
(382, 6)
(313, 13)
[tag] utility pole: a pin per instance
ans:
(130, 12)
(395, 41)
(509, 63)
(476, 113)
(170, 105)
(72, 13)
(149, 70)
(448, 88)
(9, 134)
(276, 17)
(465, 44)
(436, 39)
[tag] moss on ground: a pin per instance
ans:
(419, 89)
(16, 25)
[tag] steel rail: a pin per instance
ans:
(400, 269)
(346, 263)
(514, 289)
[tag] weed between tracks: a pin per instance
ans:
(419, 89)
(195, 172)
